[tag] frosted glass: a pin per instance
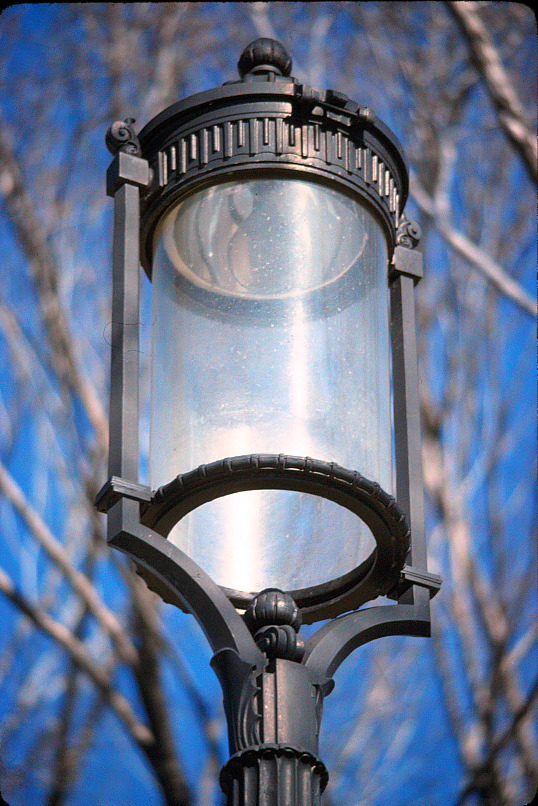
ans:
(271, 335)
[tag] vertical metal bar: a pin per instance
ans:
(408, 438)
(127, 174)
(123, 452)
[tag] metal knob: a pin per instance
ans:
(264, 55)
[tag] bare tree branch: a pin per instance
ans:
(467, 579)
(509, 109)
(147, 671)
(41, 261)
(77, 651)
(480, 259)
(79, 581)
(67, 755)
(480, 773)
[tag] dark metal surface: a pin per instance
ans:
(264, 55)
(274, 620)
(116, 488)
(273, 704)
(272, 607)
(273, 776)
(331, 644)
(408, 436)
(222, 624)
(121, 137)
(126, 176)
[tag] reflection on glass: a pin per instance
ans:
(271, 335)
(263, 240)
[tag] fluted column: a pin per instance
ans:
(273, 775)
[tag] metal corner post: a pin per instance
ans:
(417, 584)
(126, 176)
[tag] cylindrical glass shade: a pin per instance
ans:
(271, 335)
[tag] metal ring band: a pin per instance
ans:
(377, 575)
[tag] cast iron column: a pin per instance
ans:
(276, 762)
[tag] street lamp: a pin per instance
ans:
(268, 215)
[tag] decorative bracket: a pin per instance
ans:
(116, 488)
(407, 259)
(122, 137)
(416, 576)
(377, 575)
(273, 683)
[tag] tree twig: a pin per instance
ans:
(80, 583)
(478, 258)
(77, 651)
(33, 241)
(510, 112)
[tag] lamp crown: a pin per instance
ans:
(264, 55)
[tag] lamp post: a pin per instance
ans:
(269, 216)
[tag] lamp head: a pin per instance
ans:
(268, 229)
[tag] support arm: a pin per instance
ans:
(330, 646)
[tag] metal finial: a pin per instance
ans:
(272, 606)
(274, 619)
(264, 55)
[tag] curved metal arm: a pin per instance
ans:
(237, 659)
(220, 621)
(330, 646)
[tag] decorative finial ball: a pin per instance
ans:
(264, 55)
(272, 607)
